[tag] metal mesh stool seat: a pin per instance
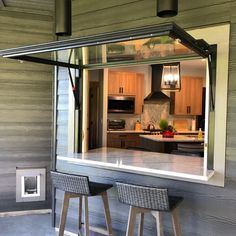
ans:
(144, 199)
(79, 186)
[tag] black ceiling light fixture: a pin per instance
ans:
(171, 79)
(167, 8)
(63, 17)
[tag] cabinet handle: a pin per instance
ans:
(119, 89)
(122, 90)
(188, 109)
(122, 144)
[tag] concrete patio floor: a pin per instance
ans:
(30, 225)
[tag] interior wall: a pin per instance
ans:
(25, 106)
(206, 210)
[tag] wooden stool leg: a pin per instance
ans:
(80, 211)
(140, 230)
(64, 213)
(86, 216)
(175, 222)
(107, 213)
(131, 222)
(158, 216)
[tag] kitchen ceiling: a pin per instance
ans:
(197, 64)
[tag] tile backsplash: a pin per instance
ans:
(152, 114)
(130, 119)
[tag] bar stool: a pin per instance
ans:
(79, 186)
(144, 199)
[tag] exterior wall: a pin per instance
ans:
(25, 106)
(206, 210)
(62, 111)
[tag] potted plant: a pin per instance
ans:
(167, 130)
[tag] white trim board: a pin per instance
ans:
(219, 35)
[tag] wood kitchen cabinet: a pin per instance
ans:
(124, 83)
(121, 83)
(123, 140)
(139, 96)
(188, 101)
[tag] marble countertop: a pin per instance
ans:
(176, 138)
(129, 131)
(190, 132)
(145, 163)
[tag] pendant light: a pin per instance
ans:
(171, 77)
(167, 8)
(63, 17)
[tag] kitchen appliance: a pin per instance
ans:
(138, 125)
(121, 104)
(152, 130)
(156, 93)
(116, 124)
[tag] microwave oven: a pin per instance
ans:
(121, 104)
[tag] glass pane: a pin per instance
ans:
(137, 50)
(125, 51)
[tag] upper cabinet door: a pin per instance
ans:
(195, 99)
(188, 101)
(139, 93)
(128, 83)
(114, 82)
(182, 98)
(121, 83)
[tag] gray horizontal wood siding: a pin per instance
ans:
(62, 110)
(25, 107)
(206, 210)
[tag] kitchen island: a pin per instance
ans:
(176, 138)
(189, 144)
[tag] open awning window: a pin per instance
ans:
(160, 43)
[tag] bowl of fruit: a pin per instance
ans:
(167, 131)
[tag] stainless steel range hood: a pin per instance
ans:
(156, 94)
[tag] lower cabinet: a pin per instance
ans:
(123, 140)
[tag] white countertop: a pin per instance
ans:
(163, 165)
(190, 132)
(129, 131)
(176, 138)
